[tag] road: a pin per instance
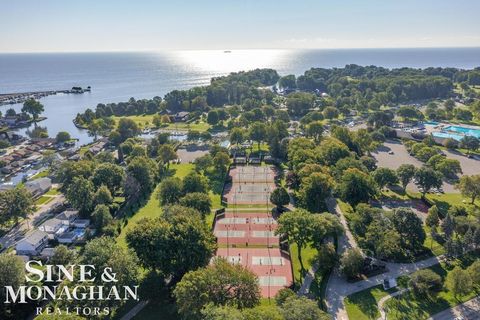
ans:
(338, 288)
(16, 233)
(469, 310)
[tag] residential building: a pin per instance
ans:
(32, 244)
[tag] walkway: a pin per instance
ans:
(382, 301)
(338, 288)
(469, 310)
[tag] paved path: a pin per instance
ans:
(307, 281)
(16, 233)
(135, 310)
(469, 310)
(382, 301)
(338, 288)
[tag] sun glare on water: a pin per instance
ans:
(232, 60)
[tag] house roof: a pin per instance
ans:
(67, 214)
(42, 183)
(51, 223)
(35, 237)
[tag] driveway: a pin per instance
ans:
(17, 232)
(469, 310)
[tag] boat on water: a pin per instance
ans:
(227, 51)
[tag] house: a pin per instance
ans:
(67, 237)
(81, 223)
(32, 244)
(67, 217)
(53, 227)
(38, 187)
(181, 116)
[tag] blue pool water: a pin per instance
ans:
(431, 123)
(79, 232)
(464, 130)
(446, 135)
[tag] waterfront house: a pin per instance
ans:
(38, 187)
(32, 244)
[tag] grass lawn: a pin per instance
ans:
(143, 121)
(363, 305)
(52, 192)
(41, 174)
(407, 306)
(446, 200)
(436, 248)
(152, 208)
(43, 200)
(200, 126)
(308, 254)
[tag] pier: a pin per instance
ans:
(21, 97)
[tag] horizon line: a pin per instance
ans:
(239, 49)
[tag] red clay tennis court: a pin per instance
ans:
(271, 265)
(246, 229)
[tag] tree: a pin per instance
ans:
(315, 130)
(384, 177)
(258, 132)
(170, 191)
(425, 282)
(80, 194)
(280, 197)
(448, 226)
(410, 228)
(314, 190)
(143, 170)
(127, 128)
(427, 179)
(62, 136)
(199, 201)
(327, 256)
(432, 220)
(110, 175)
(194, 182)
(12, 274)
(212, 117)
(288, 82)
(282, 295)
(330, 113)
(470, 143)
(474, 272)
(302, 308)
(296, 226)
(37, 132)
(405, 174)
(33, 107)
(102, 196)
(356, 186)
(237, 136)
(166, 153)
(221, 161)
(105, 252)
(218, 284)
(193, 135)
(173, 246)
(458, 281)
(62, 255)
(101, 217)
(351, 263)
(15, 204)
(469, 186)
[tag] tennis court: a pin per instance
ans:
(271, 265)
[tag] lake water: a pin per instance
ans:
(116, 77)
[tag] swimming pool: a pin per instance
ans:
(466, 131)
(431, 123)
(446, 135)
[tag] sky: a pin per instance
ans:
(137, 25)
